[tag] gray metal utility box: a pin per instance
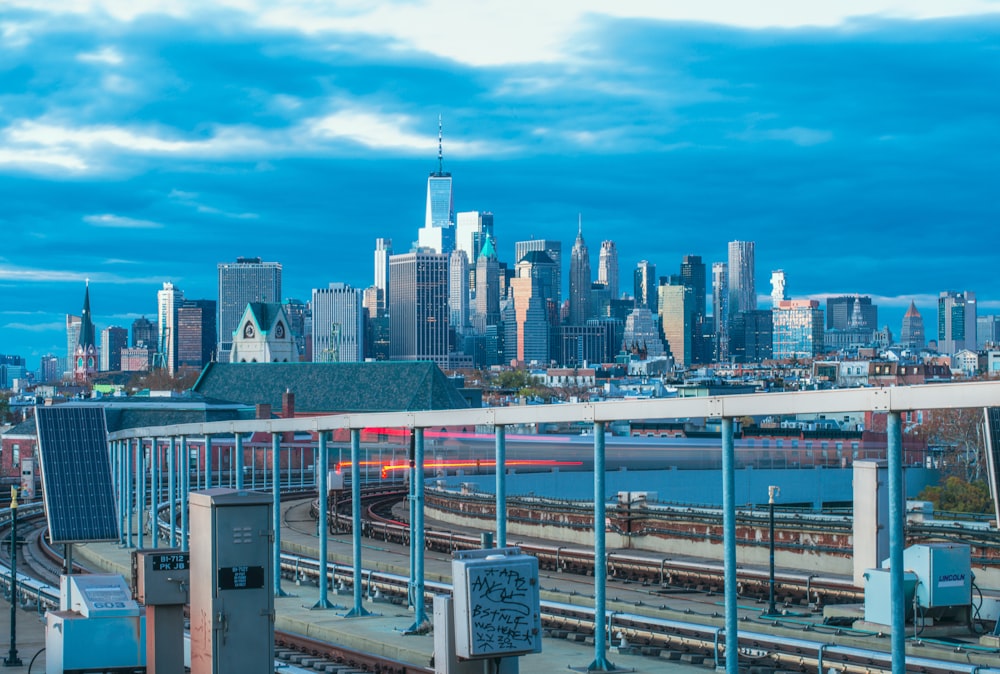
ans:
(232, 596)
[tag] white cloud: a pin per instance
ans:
(31, 275)
(120, 222)
(36, 327)
(799, 135)
(105, 55)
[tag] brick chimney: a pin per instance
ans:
(263, 411)
(288, 404)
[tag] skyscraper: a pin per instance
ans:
(338, 319)
(607, 268)
(458, 290)
(487, 305)
(676, 305)
(720, 309)
(418, 307)
(383, 249)
(956, 322)
(551, 248)
(72, 339)
(797, 329)
(438, 232)
(913, 334)
(247, 280)
(196, 333)
(742, 294)
(531, 338)
(167, 302)
(645, 284)
(778, 291)
(693, 278)
(113, 340)
(839, 311)
(579, 280)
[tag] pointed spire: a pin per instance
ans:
(87, 337)
(440, 148)
(579, 224)
(912, 311)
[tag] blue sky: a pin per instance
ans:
(143, 142)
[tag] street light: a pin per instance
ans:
(12, 660)
(772, 493)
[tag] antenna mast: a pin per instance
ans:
(440, 150)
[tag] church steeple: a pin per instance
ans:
(85, 357)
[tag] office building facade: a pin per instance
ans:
(338, 324)
(741, 288)
(113, 340)
(418, 307)
(249, 279)
(956, 321)
(607, 268)
(797, 329)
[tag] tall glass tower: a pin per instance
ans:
(742, 294)
(247, 280)
(607, 268)
(438, 232)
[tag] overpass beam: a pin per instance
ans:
(729, 544)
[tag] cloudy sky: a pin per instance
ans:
(146, 141)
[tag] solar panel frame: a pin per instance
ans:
(77, 485)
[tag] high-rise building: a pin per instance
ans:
(299, 315)
(487, 305)
(720, 309)
(579, 280)
(458, 291)
(418, 307)
(642, 334)
(50, 368)
(797, 329)
(73, 326)
(196, 334)
(778, 290)
(987, 330)
(913, 334)
(607, 268)
(247, 280)
(438, 232)
(531, 338)
(742, 292)
(167, 302)
(113, 340)
(840, 310)
(751, 338)
(693, 278)
(383, 249)
(338, 320)
(645, 285)
(676, 306)
(956, 321)
(551, 248)
(471, 230)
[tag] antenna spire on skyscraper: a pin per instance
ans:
(440, 150)
(579, 224)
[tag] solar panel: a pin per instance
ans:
(76, 473)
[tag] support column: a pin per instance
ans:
(897, 540)
(276, 496)
(420, 622)
(185, 490)
(140, 492)
(154, 491)
(208, 462)
(729, 545)
(171, 489)
(129, 461)
(600, 663)
(239, 460)
(358, 610)
(323, 488)
(121, 447)
(501, 500)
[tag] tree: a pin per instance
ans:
(959, 434)
(957, 495)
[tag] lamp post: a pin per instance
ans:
(12, 660)
(772, 493)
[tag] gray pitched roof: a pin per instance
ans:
(382, 386)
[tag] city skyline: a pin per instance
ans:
(146, 149)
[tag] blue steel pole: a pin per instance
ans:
(129, 460)
(140, 496)
(121, 447)
(322, 488)
(171, 489)
(501, 506)
(208, 462)
(239, 461)
(154, 491)
(276, 497)
(897, 509)
(600, 663)
(185, 490)
(358, 610)
(411, 586)
(420, 623)
(729, 544)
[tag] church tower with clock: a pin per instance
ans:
(85, 359)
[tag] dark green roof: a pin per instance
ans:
(383, 386)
